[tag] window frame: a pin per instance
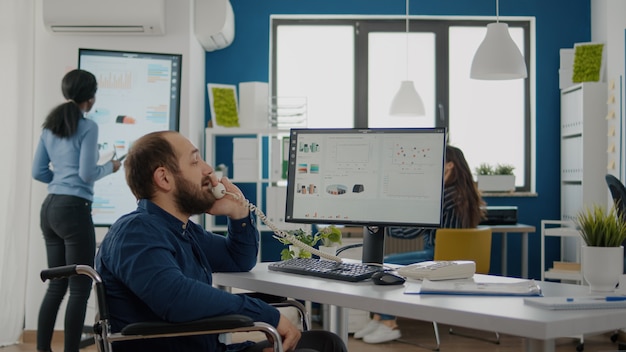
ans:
(363, 25)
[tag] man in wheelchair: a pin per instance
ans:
(157, 264)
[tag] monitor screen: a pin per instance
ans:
(370, 177)
(137, 93)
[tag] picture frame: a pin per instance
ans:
(223, 104)
(589, 62)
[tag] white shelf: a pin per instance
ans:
(583, 166)
(264, 170)
(563, 229)
(562, 232)
(583, 148)
(563, 275)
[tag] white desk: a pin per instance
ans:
(509, 315)
(516, 228)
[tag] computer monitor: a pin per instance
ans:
(374, 177)
(138, 93)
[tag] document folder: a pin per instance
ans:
(563, 303)
(474, 288)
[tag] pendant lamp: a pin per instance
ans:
(498, 57)
(407, 101)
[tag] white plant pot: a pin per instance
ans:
(299, 252)
(295, 250)
(496, 183)
(328, 250)
(602, 267)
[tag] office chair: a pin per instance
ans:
(148, 330)
(465, 244)
(618, 193)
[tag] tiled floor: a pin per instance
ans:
(418, 336)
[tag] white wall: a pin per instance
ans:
(608, 24)
(55, 55)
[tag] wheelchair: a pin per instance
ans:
(103, 337)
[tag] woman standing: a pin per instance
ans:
(66, 159)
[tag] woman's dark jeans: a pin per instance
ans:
(70, 238)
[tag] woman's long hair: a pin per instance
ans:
(77, 86)
(469, 202)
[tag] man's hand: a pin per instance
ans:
(231, 206)
(289, 332)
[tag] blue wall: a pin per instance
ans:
(559, 24)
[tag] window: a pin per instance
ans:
(349, 70)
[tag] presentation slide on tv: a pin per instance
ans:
(137, 93)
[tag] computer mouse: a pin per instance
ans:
(387, 278)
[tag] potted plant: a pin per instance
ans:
(293, 251)
(602, 252)
(499, 178)
(330, 237)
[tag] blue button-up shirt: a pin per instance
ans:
(157, 268)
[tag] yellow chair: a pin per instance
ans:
(465, 244)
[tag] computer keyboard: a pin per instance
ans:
(353, 272)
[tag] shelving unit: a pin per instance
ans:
(583, 152)
(562, 229)
(583, 147)
(254, 160)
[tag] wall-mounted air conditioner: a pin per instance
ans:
(214, 23)
(138, 17)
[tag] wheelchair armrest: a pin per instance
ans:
(281, 302)
(266, 297)
(217, 323)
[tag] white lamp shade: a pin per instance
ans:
(497, 57)
(407, 102)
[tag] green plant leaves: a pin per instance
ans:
(587, 62)
(499, 169)
(599, 228)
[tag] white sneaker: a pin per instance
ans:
(368, 329)
(383, 333)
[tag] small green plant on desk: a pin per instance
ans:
(602, 255)
(302, 236)
(329, 236)
(599, 228)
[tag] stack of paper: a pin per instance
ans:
(472, 287)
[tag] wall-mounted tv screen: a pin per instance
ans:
(138, 93)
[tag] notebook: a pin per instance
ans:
(562, 303)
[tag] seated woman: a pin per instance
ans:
(462, 207)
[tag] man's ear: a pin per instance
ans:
(163, 179)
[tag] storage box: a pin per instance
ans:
(253, 105)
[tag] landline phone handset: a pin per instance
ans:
(219, 191)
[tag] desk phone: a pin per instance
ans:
(219, 192)
(439, 270)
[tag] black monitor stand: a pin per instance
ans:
(373, 244)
